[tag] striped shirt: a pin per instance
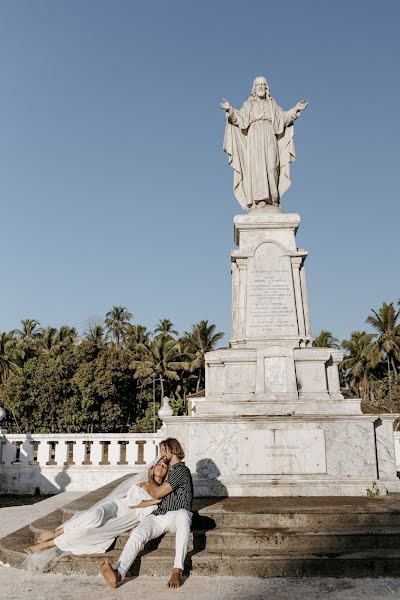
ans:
(180, 480)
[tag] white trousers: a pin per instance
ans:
(175, 521)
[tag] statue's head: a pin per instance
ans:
(260, 88)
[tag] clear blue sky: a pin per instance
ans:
(114, 187)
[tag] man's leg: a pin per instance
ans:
(179, 523)
(150, 528)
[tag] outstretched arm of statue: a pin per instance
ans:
(292, 114)
(230, 111)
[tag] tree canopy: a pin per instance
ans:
(52, 380)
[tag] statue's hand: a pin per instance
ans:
(301, 105)
(225, 105)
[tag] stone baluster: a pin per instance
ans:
(9, 452)
(122, 452)
(26, 451)
(52, 452)
(17, 445)
(140, 444)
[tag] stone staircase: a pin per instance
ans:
(262, 537)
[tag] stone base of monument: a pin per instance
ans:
(273, 421)
(297, 455)
(260, 537)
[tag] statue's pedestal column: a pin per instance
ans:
(271, 366)
(269, 301)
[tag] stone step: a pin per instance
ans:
(239, 563)
(259, 538)
(265, 537)
(282, 512)
(313, 513)
(370, 562)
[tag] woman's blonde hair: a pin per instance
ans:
(174, 447)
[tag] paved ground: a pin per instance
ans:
(16, 584)
(15, 517)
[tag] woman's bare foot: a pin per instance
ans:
(175, 580)
(112, 576)
(38, 547)
(46, 536)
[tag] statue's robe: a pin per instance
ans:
(259, 143)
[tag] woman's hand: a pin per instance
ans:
(225, 105)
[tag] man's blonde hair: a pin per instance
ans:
(174, 447)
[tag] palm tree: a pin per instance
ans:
(160, 361)
(94, 333)
(359, 361)
(31, 332)
(9, 355)
(65, 337)
(29, 336)
(166, 326)
(47, 341)
(137, 334)
(387, 342)
(326, 340)
(117, 321)
(201, 339)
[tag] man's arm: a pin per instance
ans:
(158, 491)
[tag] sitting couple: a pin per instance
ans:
(162, 504)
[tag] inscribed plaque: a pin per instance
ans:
(282, 452)
(271, 308)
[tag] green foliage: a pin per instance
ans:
(53, 381)
(373, 491)
(147, 424)
(326, 340)
(371, 363)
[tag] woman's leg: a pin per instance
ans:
(49, 535)
(39, 547)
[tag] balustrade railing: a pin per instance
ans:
(79, 449)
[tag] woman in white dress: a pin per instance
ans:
(94, 530)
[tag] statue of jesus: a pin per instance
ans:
(259, 143)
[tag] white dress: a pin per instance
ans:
(94, 530)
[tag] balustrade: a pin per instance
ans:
(78, 449)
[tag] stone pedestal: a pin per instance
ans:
(273, 420)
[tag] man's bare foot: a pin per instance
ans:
(112, 576)
(175, 580)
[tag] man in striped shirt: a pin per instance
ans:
(173, 515)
